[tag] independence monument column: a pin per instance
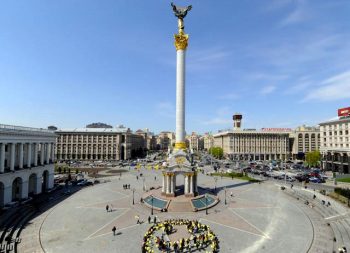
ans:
(181, 42)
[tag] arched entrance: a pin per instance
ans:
(2, 194)
(45, 182)
(32, 185)
(17, 189)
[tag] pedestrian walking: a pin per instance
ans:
(155, 220)
(113, 230)
(111, 208)
(107, 208)
(137, 177)
(138, 219)
(291, 186)
(231, 194)
(155, 178)
(149, 219)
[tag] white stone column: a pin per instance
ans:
(191, 184)
(173, 184)
(163, 187)
(168, 184)
(186, 184)
(29, 154)
(48, 152)
(36, 154)
(12, 156)
(51, 180)
(20, 164)
(53, 152)
(2, 157)
(180, 95)
(42, 153)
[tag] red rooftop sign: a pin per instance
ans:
(344, 112)
(276, 129)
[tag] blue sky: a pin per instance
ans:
(68, 63)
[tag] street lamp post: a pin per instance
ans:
(152, 205)
(225, 196)
(206, 204)
(133, 193)
(144, 186)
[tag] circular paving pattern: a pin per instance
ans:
(198, 237)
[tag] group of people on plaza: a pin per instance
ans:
(126, 186)
(201, 237)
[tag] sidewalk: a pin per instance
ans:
(339, 184)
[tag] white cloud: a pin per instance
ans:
(229, 96)
(334, 88)
(268, 89)
(299, 14)
(222, 117)
(165, 109)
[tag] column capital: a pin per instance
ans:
(181, 41)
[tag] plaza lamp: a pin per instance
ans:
(225, 195)
(206, 203)
(133, 193)
(152, 205)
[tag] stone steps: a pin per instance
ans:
(177, 206)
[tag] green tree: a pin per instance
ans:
(217, 152)
(313, 158)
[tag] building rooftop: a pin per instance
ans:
(338, 120)
(94, 130)
(10, 128)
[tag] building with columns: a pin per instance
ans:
(250, 144)
(26, 162)
(165, 140)
(253, 145)
(335, 145)
(98, 144)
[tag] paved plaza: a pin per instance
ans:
(256, 218)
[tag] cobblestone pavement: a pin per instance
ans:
(256, 218)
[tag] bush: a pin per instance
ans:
(343, 192)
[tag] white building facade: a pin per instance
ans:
(26, 162)
(305, 139)
(335, 145)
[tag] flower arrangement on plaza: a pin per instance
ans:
(201, 237)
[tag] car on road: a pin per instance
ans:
(315, 180)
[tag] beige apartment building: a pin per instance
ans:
(305, 139)
(194, 142)
(165, 140)
(98, 144)
(208, 141)
(335, 145)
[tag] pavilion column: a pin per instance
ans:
(2, 157)
(12, 156)
(20, 164)
(163, 185)
(168, 184)
(36, 154)
(191, 184)
(186, 184)
(29, 155)
(173, 184)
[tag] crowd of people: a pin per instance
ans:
(201, 237)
